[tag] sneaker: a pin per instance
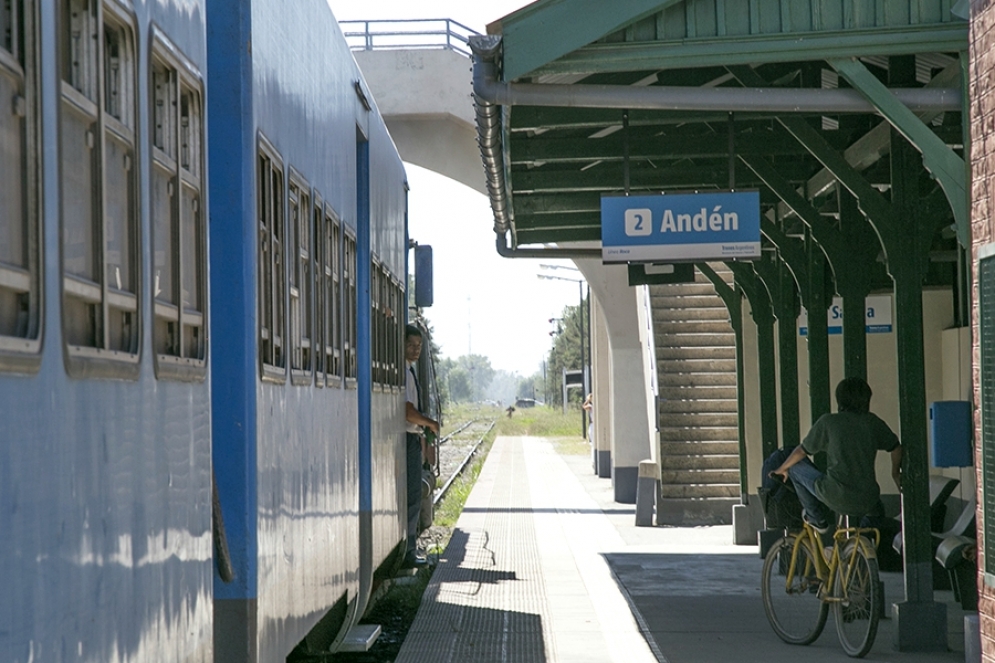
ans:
(413, 561)
(822, 528)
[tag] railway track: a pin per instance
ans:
(457, 448)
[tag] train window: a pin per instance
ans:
(20, 284)
(299, 236)
(318, 262)
(375, 323)
(386, 351)
(179, 269)
(333, 276)
(396, 335)
(349, 307)
(272, 275)
(100, 219)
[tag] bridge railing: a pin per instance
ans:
(413, 34)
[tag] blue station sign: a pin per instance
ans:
(678, 227)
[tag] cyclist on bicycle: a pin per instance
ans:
(851, 439)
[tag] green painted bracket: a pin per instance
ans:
(791, 254)
(946, 166)
(869, 199)
(827, 236)
(730, 297)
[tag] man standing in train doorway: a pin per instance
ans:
(416, 421)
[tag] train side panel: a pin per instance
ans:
(388, 243)
(287, 434)
(105, 476)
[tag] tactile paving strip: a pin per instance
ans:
(487, 598)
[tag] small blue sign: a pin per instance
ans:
(680, 227)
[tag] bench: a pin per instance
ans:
(957, 555)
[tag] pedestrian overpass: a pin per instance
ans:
(850, 119)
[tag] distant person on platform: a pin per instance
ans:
(415, 442)
(588, 407)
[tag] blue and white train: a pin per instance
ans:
(202, 302)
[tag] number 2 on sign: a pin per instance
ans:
(638, 222)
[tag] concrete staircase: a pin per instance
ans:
(696, 365)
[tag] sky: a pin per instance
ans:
(484, 304)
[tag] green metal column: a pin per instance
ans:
(763, 316)
(808, 265)
(907, 261)
(817, 302)
(733, 299)
(787, 339)
(904, 234)
(784, 298)
(853, 280)
(852, 253)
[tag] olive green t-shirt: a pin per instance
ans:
(850, 440)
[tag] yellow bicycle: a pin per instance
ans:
(802, 581)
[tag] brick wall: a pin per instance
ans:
(982, 119)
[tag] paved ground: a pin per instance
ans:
(545, 567)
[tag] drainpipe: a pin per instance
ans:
(507, 251)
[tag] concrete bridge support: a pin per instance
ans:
(424, 96)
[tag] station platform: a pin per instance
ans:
(545, 567)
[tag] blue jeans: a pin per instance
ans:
(803, 475)
(414, 462)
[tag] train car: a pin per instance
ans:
(151, 337)
(105, 447)
(308, 250)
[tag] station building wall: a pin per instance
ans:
(947, 367)
(982, 160)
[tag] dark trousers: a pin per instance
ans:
(803, 475)
(414, 487)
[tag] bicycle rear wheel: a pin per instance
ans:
(858, 613)
(794, 609)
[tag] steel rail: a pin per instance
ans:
(462, 466)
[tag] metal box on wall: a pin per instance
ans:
(951, 428)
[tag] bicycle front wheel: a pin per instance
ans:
(859, 609)
(793, 607)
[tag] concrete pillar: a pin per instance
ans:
(647, 488)
(601, 442)
(632, 400)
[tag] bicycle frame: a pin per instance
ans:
(826, 569)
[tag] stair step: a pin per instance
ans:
(691, 340)
(697, 353)
(694, 327)
(675, 449)
(702, 392)
(668, 314)
(694, 302)
(728, 462)
(703, 406)
(713, 435)
(673, 377)
(683, 290)
(724, 366)
(699, 476)
(693, 511)
(699, 490)
(690, 420)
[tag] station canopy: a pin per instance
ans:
(588, 98)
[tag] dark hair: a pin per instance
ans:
(411, 330)
(853, 395)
